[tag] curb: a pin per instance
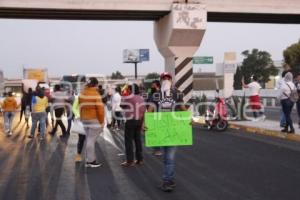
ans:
(266, 132)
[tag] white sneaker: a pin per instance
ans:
(93, 164)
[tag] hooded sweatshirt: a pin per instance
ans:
(287, 86)
(91, 106)
(9, 104)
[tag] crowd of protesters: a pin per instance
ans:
(127, 106)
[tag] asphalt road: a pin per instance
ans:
(230, 165)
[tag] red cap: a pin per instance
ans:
(165, 74)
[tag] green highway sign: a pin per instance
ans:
(203, 60)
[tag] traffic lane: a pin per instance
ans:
(228, 165)
(239, 167)
(218, 166)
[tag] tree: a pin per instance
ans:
(292, 56)
(117, 75)
(237, 84)
(258, 63)
(152, 75)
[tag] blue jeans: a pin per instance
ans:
(282, 118)
(287, 106)
(169, 163)
(298, 110)
(41, 118)
(8, 120)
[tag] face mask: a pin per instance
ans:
(166, 86)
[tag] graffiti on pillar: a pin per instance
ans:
(184, 17)
(180, 7)
(188, 16)
(195, 22)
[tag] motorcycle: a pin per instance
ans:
(216, 115)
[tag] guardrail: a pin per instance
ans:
(269, 97)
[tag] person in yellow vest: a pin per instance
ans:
(39, 105)
(81, 133)
(9, 108)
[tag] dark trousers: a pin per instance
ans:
(22, 112)
(257, 114)
(80, 144)
(298, 110)
(117, 116)
(133, 133)
(70, 116)
(58, 114)
(287, 106)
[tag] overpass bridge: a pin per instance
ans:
(267, 11)
(179, 24)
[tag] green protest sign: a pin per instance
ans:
(168, 129)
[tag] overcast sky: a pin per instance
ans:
(68, 47)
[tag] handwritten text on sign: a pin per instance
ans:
(168, 129)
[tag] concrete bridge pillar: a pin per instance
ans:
(178, 35)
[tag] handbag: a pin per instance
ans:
(77, 127)
(294, 96)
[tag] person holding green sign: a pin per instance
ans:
(170, 100)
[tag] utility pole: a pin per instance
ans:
(135, 70)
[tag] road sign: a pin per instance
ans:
(203, 60)
(144, 55)
(136, 55)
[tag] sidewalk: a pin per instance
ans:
(266, 127)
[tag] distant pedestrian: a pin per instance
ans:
(105, 98)
(92, 117)
(278, 86)
(287, 105)
(39, 105)
(255, 104)
(70, 115)
(134, 115)
(9, 108)
(286, 68)
(23, 105)
(103, 94)
(298, 102)
(26, 105)
(116, 109)
(59, 102)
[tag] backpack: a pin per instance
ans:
(294, 96)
